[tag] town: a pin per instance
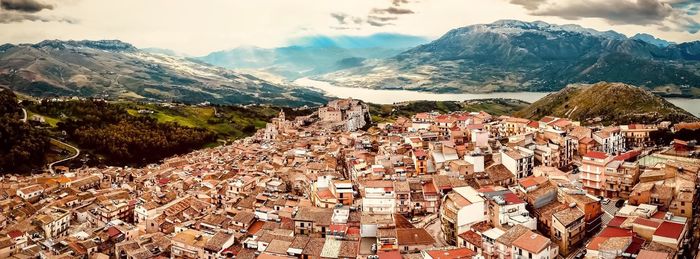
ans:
(336, 185)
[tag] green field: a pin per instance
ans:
(389, 112)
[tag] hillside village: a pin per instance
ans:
(327, 185)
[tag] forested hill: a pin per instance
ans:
(22, 146)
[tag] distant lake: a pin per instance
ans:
(380, 96)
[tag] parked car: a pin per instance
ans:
(620, 203)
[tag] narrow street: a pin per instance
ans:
(435, 231)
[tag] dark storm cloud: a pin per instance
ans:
(346, 21)
(379, 21)
(377, 17)
(676, 13)
(391, 10)
(528, 4)
(15, 17)
(640, 12)
(26, 6)
(340, 17)
(399, 2)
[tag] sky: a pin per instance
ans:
(202, 26)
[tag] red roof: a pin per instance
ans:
(669, 230)
(533, 124)
(325, 193)
(615, 232)
(646, 222)
(429, 187)
(452, 253)
(389, 254)
(596, 155)
(547, 119)
(419, 152)
(353, 231)
(635, 246)
(339, 228)
(616, 221)
(163, 181)
(607, 233)
(15, 234)
(255, 227)
(113, 232)
(511, 198)
(629, 155)
(527, 182)
(472, 237)
(562, 123)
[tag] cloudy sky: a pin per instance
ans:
(199, 27)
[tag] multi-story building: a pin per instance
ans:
(420, 161)
(568, 230)
(189, 244)
(593, 171)
(379, 197)
(620, 178)
(519, 161)
(53, 221)
(531, 245)
(342, 191)
(461, 208)
(403, 197)
(509, 210)
(638, 135)
(513, 126)
(115, 209)
(610, 139)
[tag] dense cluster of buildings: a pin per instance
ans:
(460, 185)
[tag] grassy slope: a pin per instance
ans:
(612, 103)
(230, 123)
(389, 112)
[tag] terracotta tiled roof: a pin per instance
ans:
(669, 230)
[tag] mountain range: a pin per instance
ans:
(314, 55)
(511, 55)
(118, 70)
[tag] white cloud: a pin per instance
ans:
(199, 27)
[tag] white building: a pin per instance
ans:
(461, 208)
(535, 246)
(30, 192)
(518, 161)
(509, 210)
(379, 198)
(611, 141)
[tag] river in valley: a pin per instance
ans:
(393, 96)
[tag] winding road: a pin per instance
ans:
(50, 166)
(24, 115)
(77, 153)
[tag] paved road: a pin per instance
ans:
(609, 211)
(24, 115)
(435, 230)
(77, 153)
